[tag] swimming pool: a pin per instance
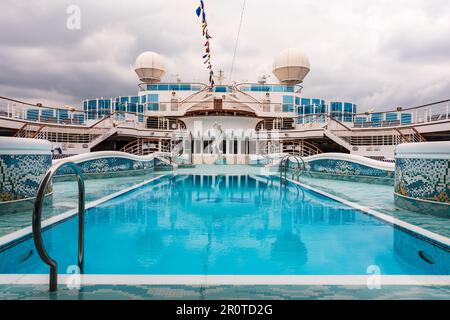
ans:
(230, 225)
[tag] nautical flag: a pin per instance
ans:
(201, 11)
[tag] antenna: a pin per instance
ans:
(220, 77)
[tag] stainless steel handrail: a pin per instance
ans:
(284, 167)
(299, 169)
(37, 215)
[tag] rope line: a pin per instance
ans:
(237, 41)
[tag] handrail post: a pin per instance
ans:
(37, 215)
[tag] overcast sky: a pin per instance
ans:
(376, 53)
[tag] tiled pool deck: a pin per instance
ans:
(377, 197)
(380, 198)
(65, 198)
(262, 292)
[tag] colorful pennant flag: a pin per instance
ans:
(207, 56)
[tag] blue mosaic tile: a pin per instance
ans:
(104, 165)
(20, 175)
(425, 179)
(344, 167)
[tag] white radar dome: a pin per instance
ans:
(150, 67)
(291, 66)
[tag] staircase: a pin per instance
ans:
(337, 139)
(410, 135)
(28, 131)
(102, 137)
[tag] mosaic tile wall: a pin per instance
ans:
(20, 175)
(343, 167)
(425, 179)
(107, 165)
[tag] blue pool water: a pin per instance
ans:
(229, 225)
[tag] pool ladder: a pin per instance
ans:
(284, 167)
(37, 215)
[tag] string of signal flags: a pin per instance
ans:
(207, 56)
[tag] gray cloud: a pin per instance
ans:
(376, 53)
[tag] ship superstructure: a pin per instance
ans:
(252, 120)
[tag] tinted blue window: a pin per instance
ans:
(92, 104)
(297, 100)
(391, 116)
(336, 106)
(320, 109)
(406, 118)
(163, 87)
(79, 118)
(103, 107)
(376, 117)
(348, 107)
(141, 108)
(360, 119)
(124, 99)
(33, 114)
(62, 114)
(300, 114)
(47, 113)
(220, 89)
(85, 104)
(288, 104)
(131, 107)
(348, 117)
(185, 87)
(288, 99)
(289, 89)
(316, 101)
(152, 87)
(152, 98)
(153, 107)
(120, 106)
(305, 102)
(134, 99)
(174, 87)
(309, 109)
(278, 88)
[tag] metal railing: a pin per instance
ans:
(300, 148)
(285, 166)
(37, 215)
(142, 146)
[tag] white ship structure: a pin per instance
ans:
(239, 123)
